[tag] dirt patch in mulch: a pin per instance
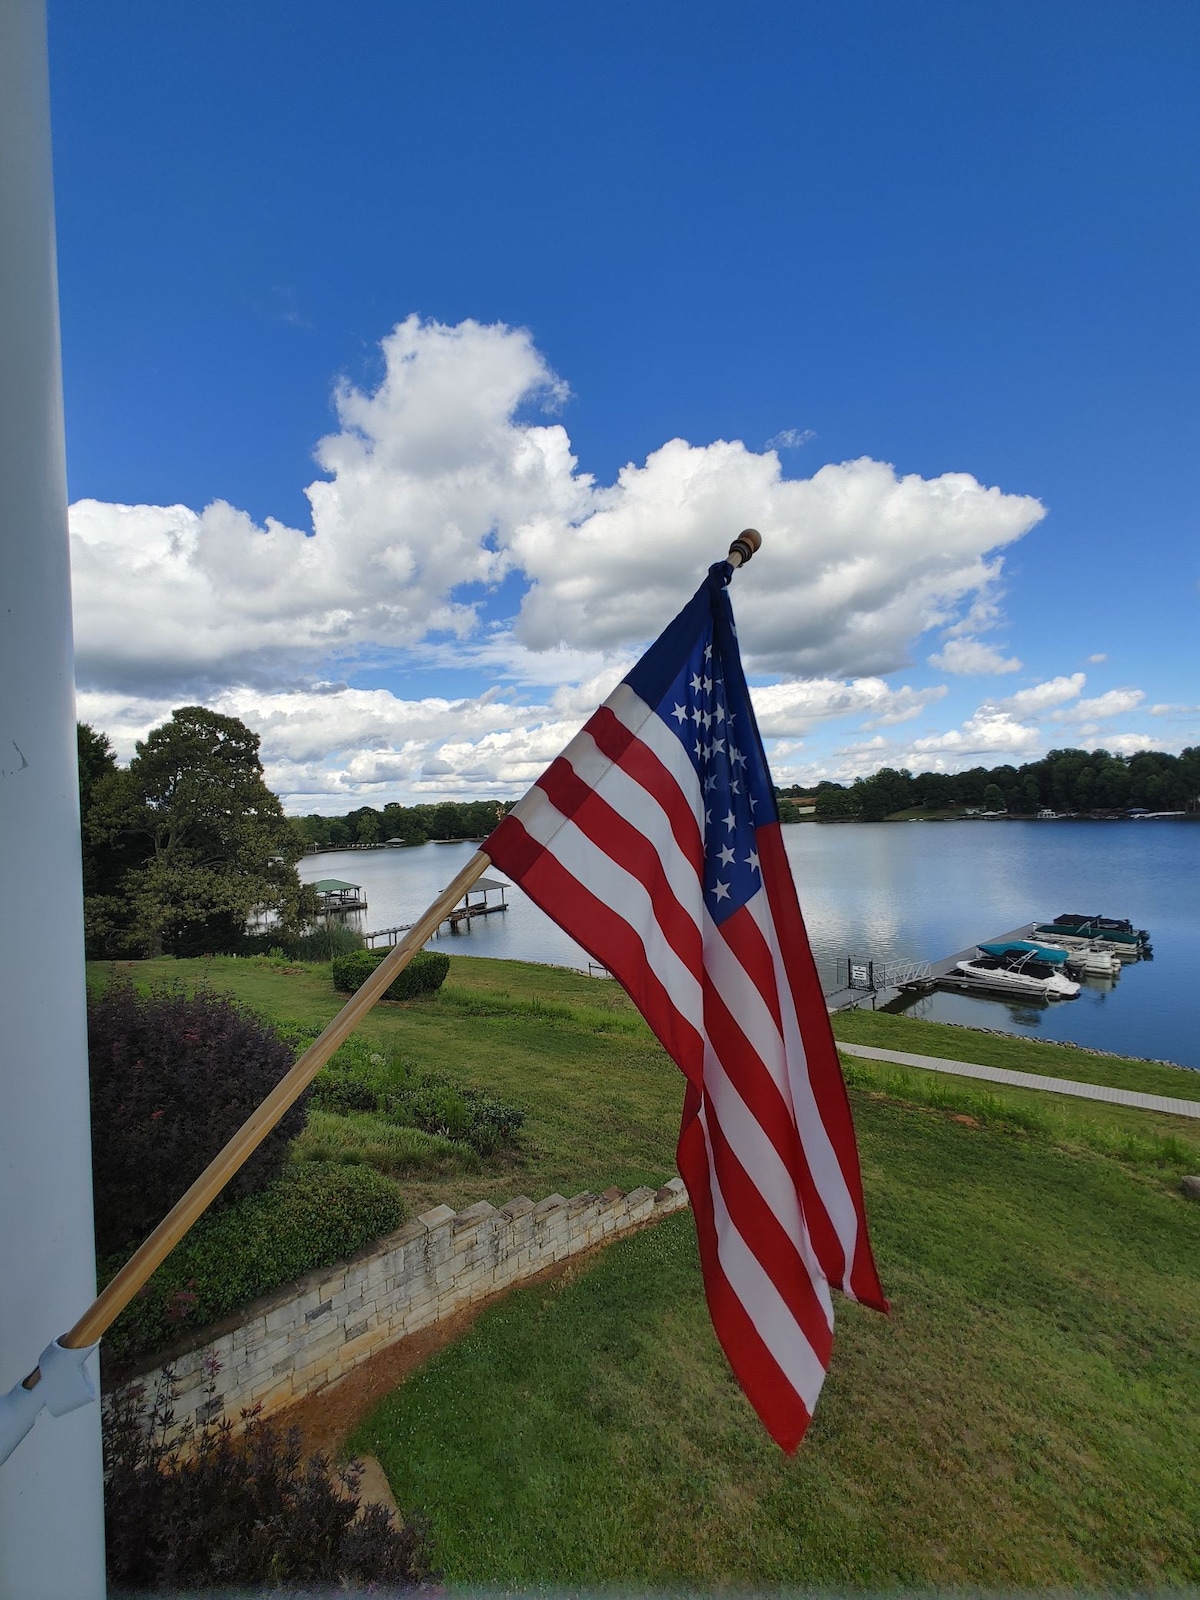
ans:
(327, 1418)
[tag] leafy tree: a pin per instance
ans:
(206, 840)
(836, 803)
(993, 798)
(937, 790)
(97, 759)
(971, 785)
(368, 826)
(885, 792)
(1028, 797)
(403, 822)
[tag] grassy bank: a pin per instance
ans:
(1025, 1417)
(601, 1100)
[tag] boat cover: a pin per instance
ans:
(1056, 958)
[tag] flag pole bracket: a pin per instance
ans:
(62, 1383)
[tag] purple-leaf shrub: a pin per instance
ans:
(173, 1076)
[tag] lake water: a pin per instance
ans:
(914, 891)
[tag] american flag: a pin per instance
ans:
(654, 841)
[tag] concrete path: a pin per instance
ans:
(1029, 1080)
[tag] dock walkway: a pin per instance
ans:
(1029, 1080)
(847, 999)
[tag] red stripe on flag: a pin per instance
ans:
(604, 934)
(824, 1069)
(773, 1113)
(783, 1413)
(631, 848)
(644, 767)
(745, 938)
(774, 1249)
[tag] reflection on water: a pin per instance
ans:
(890, 892)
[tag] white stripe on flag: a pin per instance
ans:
(636, 715)
(823, 1163)
(624, 894)
(761, 1300)
(643, 812)
(763, 1165)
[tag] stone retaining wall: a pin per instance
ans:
(301, 1338)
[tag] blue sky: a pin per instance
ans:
(573, 293)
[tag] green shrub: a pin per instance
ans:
(342, 1094)
(326, 943)
(424, 974)
(438, 1106)
(173, 1076)
(378, 1141)
(311, 1216)
(358, 1080)
(215, 1508)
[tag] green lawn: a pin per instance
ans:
(1025, 1417)
(602, 1102)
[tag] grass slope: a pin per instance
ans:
(1025, 1417)
(602, 1101)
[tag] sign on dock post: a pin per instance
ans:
(861, 974)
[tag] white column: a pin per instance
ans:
(51, 1509)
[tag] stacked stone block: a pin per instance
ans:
(297, 1340)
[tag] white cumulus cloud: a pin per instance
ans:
(428, 477)
(1114, 703)
(965, 656)
(857, 561)
(454, 473)
(990, 732)
(1043, 696)
(1129, 744)
(789, 710)
(436, 479)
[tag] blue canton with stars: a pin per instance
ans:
(693, 676)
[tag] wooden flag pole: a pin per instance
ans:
(117, 1294)
(109, 1304)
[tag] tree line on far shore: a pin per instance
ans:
(397, 824)
(184, 844)
(1077, 781)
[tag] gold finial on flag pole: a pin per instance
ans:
(744, 546)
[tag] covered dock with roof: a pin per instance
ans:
(337, 895)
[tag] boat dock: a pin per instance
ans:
(461, 917)
(335, 894)
(870, 984)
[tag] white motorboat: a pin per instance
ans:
(1017, 974)
(1094, 959)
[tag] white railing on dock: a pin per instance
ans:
(902, 973)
